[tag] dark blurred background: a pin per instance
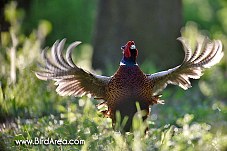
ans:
(154, 25)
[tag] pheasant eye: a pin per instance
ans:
(122, 47)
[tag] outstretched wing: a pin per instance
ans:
(207, 53)
(70, 79)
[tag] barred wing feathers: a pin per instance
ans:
(70, 79)
(207, 53)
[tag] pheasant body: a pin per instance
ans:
(129, 84)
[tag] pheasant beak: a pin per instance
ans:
(133, 47)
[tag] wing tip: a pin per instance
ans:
(180, 38)
(39, 76)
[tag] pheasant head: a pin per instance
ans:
(130, 53)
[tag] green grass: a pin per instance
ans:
(188, 127)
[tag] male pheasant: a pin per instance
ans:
(129, 84)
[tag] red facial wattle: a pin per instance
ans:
(127, 47)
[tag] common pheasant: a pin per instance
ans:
(129, 84)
